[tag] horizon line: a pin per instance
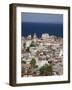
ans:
(42, 22)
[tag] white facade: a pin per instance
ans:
(22, 42)
(42, 63)
(28, 42)
(45, 36)
(29, 37)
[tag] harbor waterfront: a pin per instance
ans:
(41, 56)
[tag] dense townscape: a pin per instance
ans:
(41, 56)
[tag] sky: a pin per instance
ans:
(41, 18)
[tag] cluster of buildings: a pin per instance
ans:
(46, 50)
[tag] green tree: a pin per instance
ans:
(32, 44)
(28, 49)
(23, 62)
(34, 67)
(33, 63)
(24, 45)
(46, 70)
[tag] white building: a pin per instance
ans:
(28, 42)
(45, 36)
(42, 63)
(29, 37)
(22, 42)
(35, 37)
(61, 53)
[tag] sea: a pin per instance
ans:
(29, 28)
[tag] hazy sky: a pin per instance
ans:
(41, 17)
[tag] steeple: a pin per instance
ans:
(34, 36)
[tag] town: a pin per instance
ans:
(41, 56)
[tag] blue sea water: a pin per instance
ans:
(39, 28)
